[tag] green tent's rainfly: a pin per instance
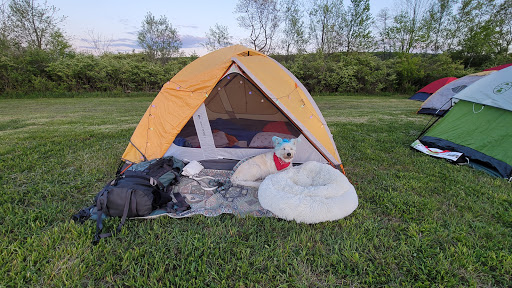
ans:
(479, 126)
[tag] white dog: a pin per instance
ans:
(254, 170)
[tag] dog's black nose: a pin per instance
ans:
(289, 154)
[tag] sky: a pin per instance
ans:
(116, 22)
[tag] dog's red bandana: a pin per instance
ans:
(280, 164)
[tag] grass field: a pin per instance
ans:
(420, 222)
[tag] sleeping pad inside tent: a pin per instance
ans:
(478, 126)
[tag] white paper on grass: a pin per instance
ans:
(450, 155)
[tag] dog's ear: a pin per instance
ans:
(277, 141)
(295, 141)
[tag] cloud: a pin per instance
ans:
(190, 41)
(125, 42)
(128, 26)
(188, 26)
(125, 21)
(119, 42)
(112, 45)
(187, 41)
(190, 44)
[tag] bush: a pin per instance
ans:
(111, 72)
(416, 71)
(38, 71)
(343, 73)
(25, 71)
(370, 74)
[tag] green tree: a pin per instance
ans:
(382, 29)
(475, 31)
(262, 19)
(397, 33)
(58, 46)
(294, 31)
(356, 26)
(158, 38)
(503, 27)
(30, 24)
(437, 25)
(217, 37)
(324, 18)
(3, 16)
(406, 31)
(4, 43)
(469, 17)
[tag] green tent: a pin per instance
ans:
(478, 129)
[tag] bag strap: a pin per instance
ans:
(101, 203)
(177, 178)
(181, 204)
(83, 215)
(99, 224)
(133, 174)
(178, 203)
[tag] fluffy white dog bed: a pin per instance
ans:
(311, 193)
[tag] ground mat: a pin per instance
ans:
(227, 198)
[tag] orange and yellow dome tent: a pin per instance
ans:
(227, 105)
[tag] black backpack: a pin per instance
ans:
(136, 192)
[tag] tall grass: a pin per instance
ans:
(420, 221)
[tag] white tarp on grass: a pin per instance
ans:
(450, 155)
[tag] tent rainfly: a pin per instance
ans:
(441, 101)
(498, 67)
(226, 106)
(431, 88)
(477, 129)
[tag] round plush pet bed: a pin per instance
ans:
(310, 193)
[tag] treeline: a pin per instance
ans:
(361, 72)
(370, 73)
(37, 71)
